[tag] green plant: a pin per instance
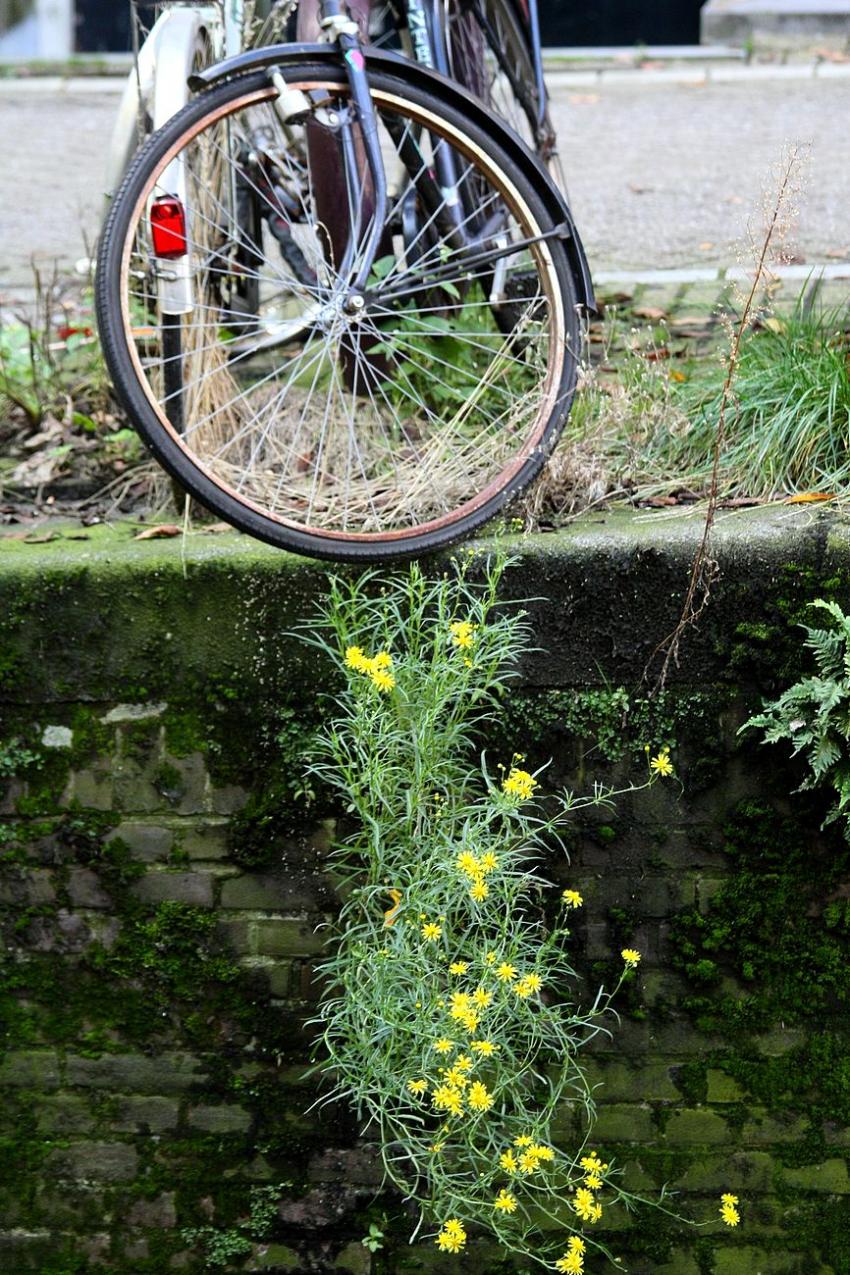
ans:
(814, 714)
(452, 1020)
(221, 1247)
(374, 1238)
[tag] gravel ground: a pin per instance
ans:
(660, 174)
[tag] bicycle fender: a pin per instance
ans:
(280, 55)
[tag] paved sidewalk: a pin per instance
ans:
(664, 165)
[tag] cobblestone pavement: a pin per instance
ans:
(662, 172)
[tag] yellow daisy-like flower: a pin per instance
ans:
(468, 863)
(519, 784)
(505, 1202)
(592, 1163)
(571, 1263)
(417, 1086)
(529, 1161)
(460, 1003)
(355, 659)
(576, 1245)
(452, 1236)
(484, 1047)
(572, 898)
(382, 660)
(630, 956)
(458, 967)
(728, 1212)
(457, 1077)
(543, 1153)
(480, 1099)
(447, 1098)
(508, 1161)
(436, 1147)
(479, 891)
(726, 1198)
(463, 633)
(491, 958)
(470, 1020)
(584, 1204)
(384, 681)
(528, 985)
(431, 931)
(593, 1181)
(523, 1141)
(662, 765)
(489, 862)
(464, 1062)
(506, 972)
(482, 997)
(444, 1045)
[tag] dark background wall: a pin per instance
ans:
(103, 25)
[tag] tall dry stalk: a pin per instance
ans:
(766, 249)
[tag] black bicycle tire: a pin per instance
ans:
(167, 450)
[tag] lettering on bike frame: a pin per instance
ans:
(420, 34)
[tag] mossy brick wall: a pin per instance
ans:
(164, 886)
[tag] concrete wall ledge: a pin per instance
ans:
(80, 617)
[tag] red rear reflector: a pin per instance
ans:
(168, 227)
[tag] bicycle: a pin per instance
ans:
(354, 332)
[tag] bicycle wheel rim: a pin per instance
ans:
(167, 443)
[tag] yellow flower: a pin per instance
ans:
(523, 1141)
(383, 680)
(508, 1161)
(354, 658)
(452, 1237)
(489, 862)
(527, 985)
(470, 1020)
(584, 1204)
(485, 1047)
(543, 1153)
(467, 862)
(572, 898)
(447, 1098)
(431, 931)
(464, 1062)
(479, 891)
(436, 1147)
(505, 1202)
(571, 1263)
(462, 633)
(417, 1086)
(728, 1213)
(460, 1004)
(457, 1078)
(726, 1198)
(444, 1045)
(482, 997)
(593, 1180)
(382, 660)
(490, 958)
(630, 956)
(576, 1245)
(506, 972)
(592, 1163)
(529, 1160)
(662, 764)
(479, 1098)
(458, 967)
(519, 784)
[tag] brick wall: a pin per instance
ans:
(164, 885)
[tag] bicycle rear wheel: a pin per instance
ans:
(363, 428)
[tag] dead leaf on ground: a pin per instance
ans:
(163, 532)
(809, 497)
(640, 190)
(740, 502)
(838, 254)
(706, 247)
(216, 528)
(649, 312)
(655, 356)
(678, 376)
(44, 539)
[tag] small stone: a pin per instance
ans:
(133, 713)
(223, 1119)
(159, 1212)
(57, 737)
(275, 1257)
